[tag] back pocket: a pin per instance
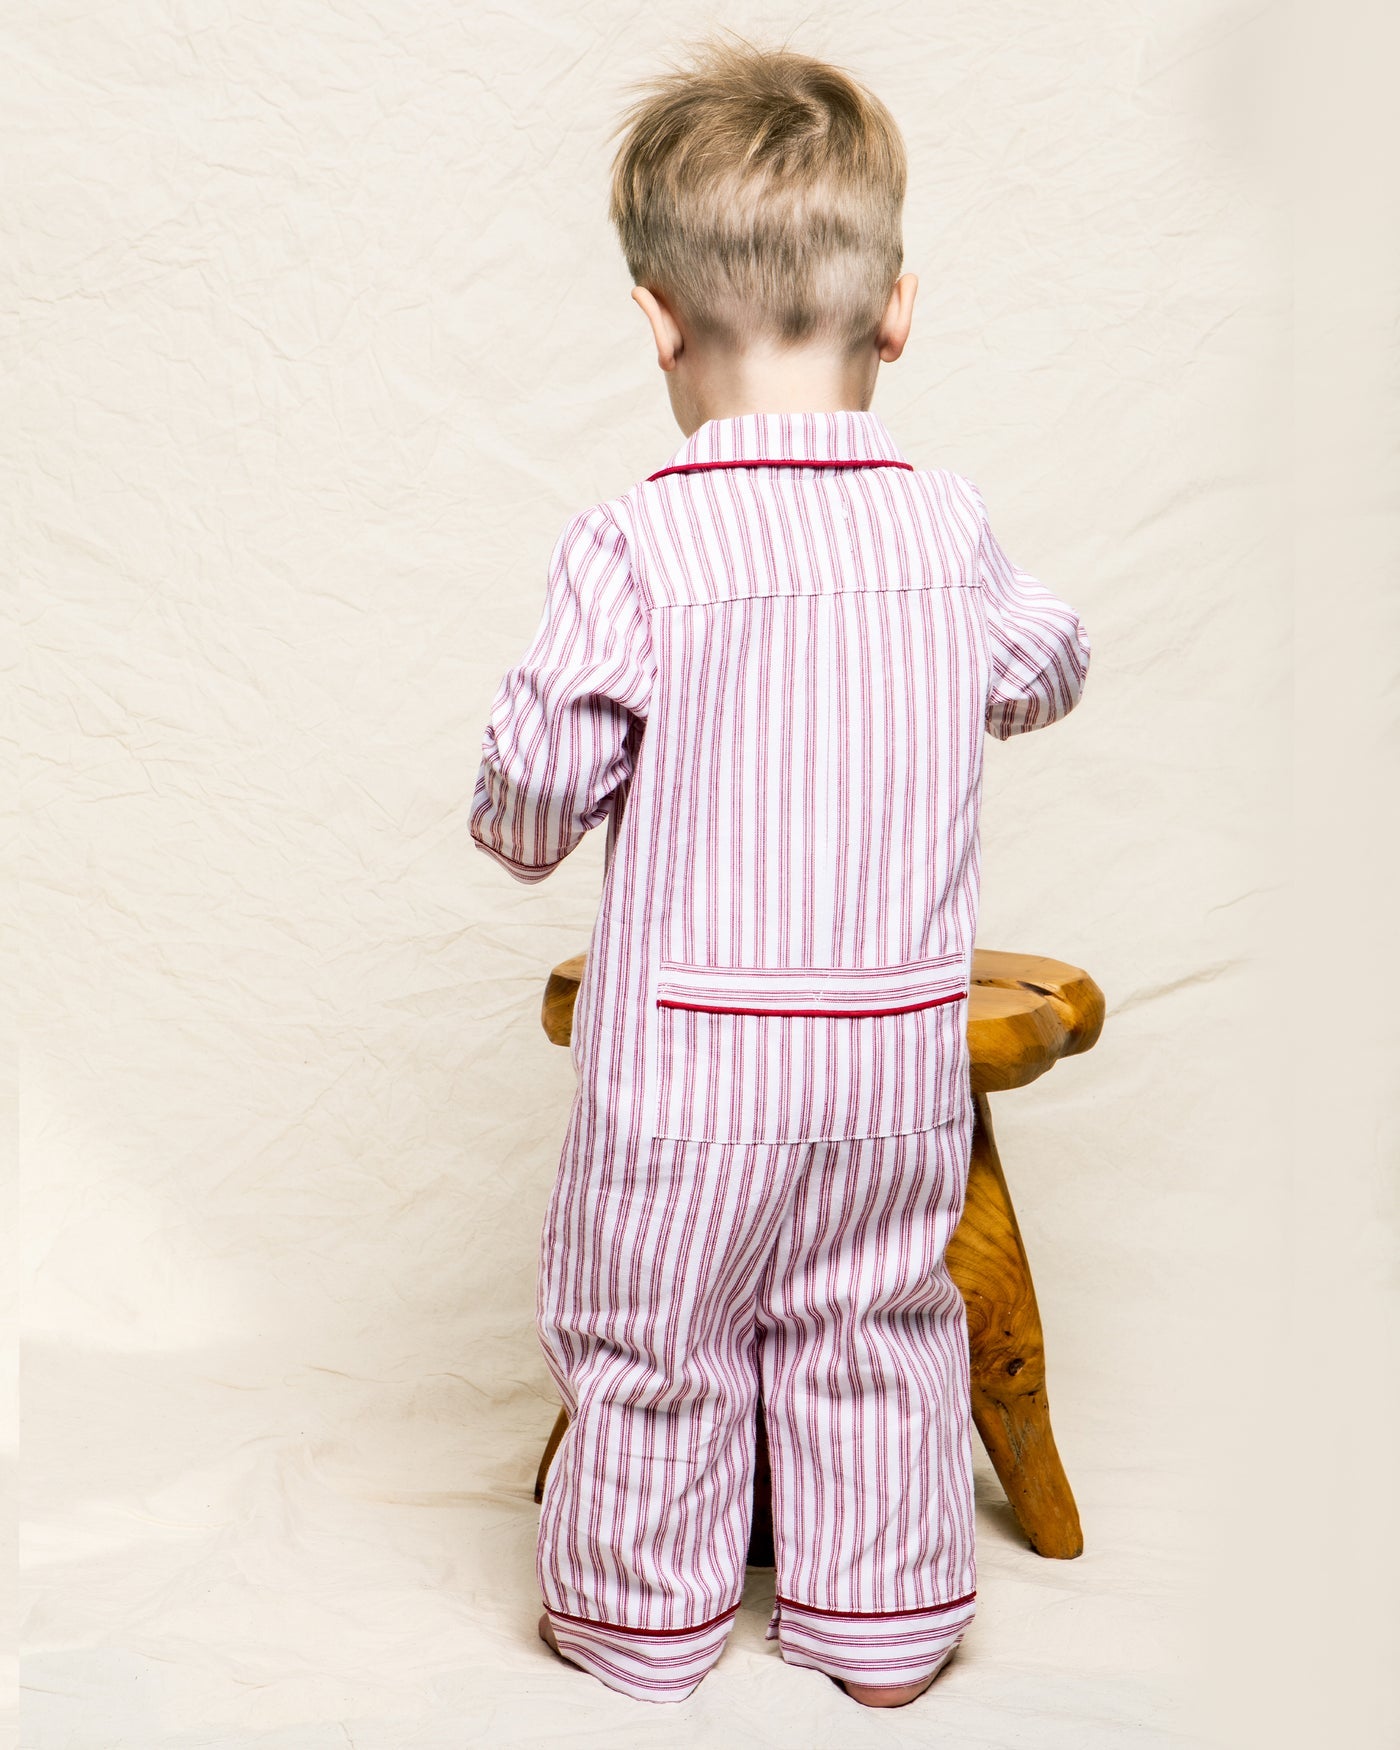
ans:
(806, 1054)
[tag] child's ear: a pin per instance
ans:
(664, 327)
(899, 314)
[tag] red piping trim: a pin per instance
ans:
(836, 1014)
(875, 1615)
(619, 1628)
(776, 462)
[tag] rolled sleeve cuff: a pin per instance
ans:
(526, 872)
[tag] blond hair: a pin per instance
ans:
(759, 192)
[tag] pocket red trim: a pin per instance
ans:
(851, 991)
(844, 1014)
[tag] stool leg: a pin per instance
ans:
(551, 1446)
(987, 1260)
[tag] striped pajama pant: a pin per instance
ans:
(680, 1282)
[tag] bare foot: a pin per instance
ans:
(547, 1636)
(877, 1695)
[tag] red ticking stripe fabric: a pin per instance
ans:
(767, 672)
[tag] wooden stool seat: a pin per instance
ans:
(1024, 1013)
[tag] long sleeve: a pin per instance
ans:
(561, 736)
(1039, 647)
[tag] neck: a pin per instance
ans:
(715, 383)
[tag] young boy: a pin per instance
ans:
(780, 651)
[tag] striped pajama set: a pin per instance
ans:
(767, 670)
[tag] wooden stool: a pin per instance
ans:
(1024, 1013)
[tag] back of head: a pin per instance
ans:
(759, 193)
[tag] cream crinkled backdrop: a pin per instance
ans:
(321, 336)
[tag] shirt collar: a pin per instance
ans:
(848, 437)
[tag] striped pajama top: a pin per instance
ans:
(767, 669)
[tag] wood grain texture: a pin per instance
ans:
(1024, 1013)
(1013, 1037)
(987, 1260)
(1077, 1001)
(560, 991)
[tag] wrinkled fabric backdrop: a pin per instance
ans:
(321, 335)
